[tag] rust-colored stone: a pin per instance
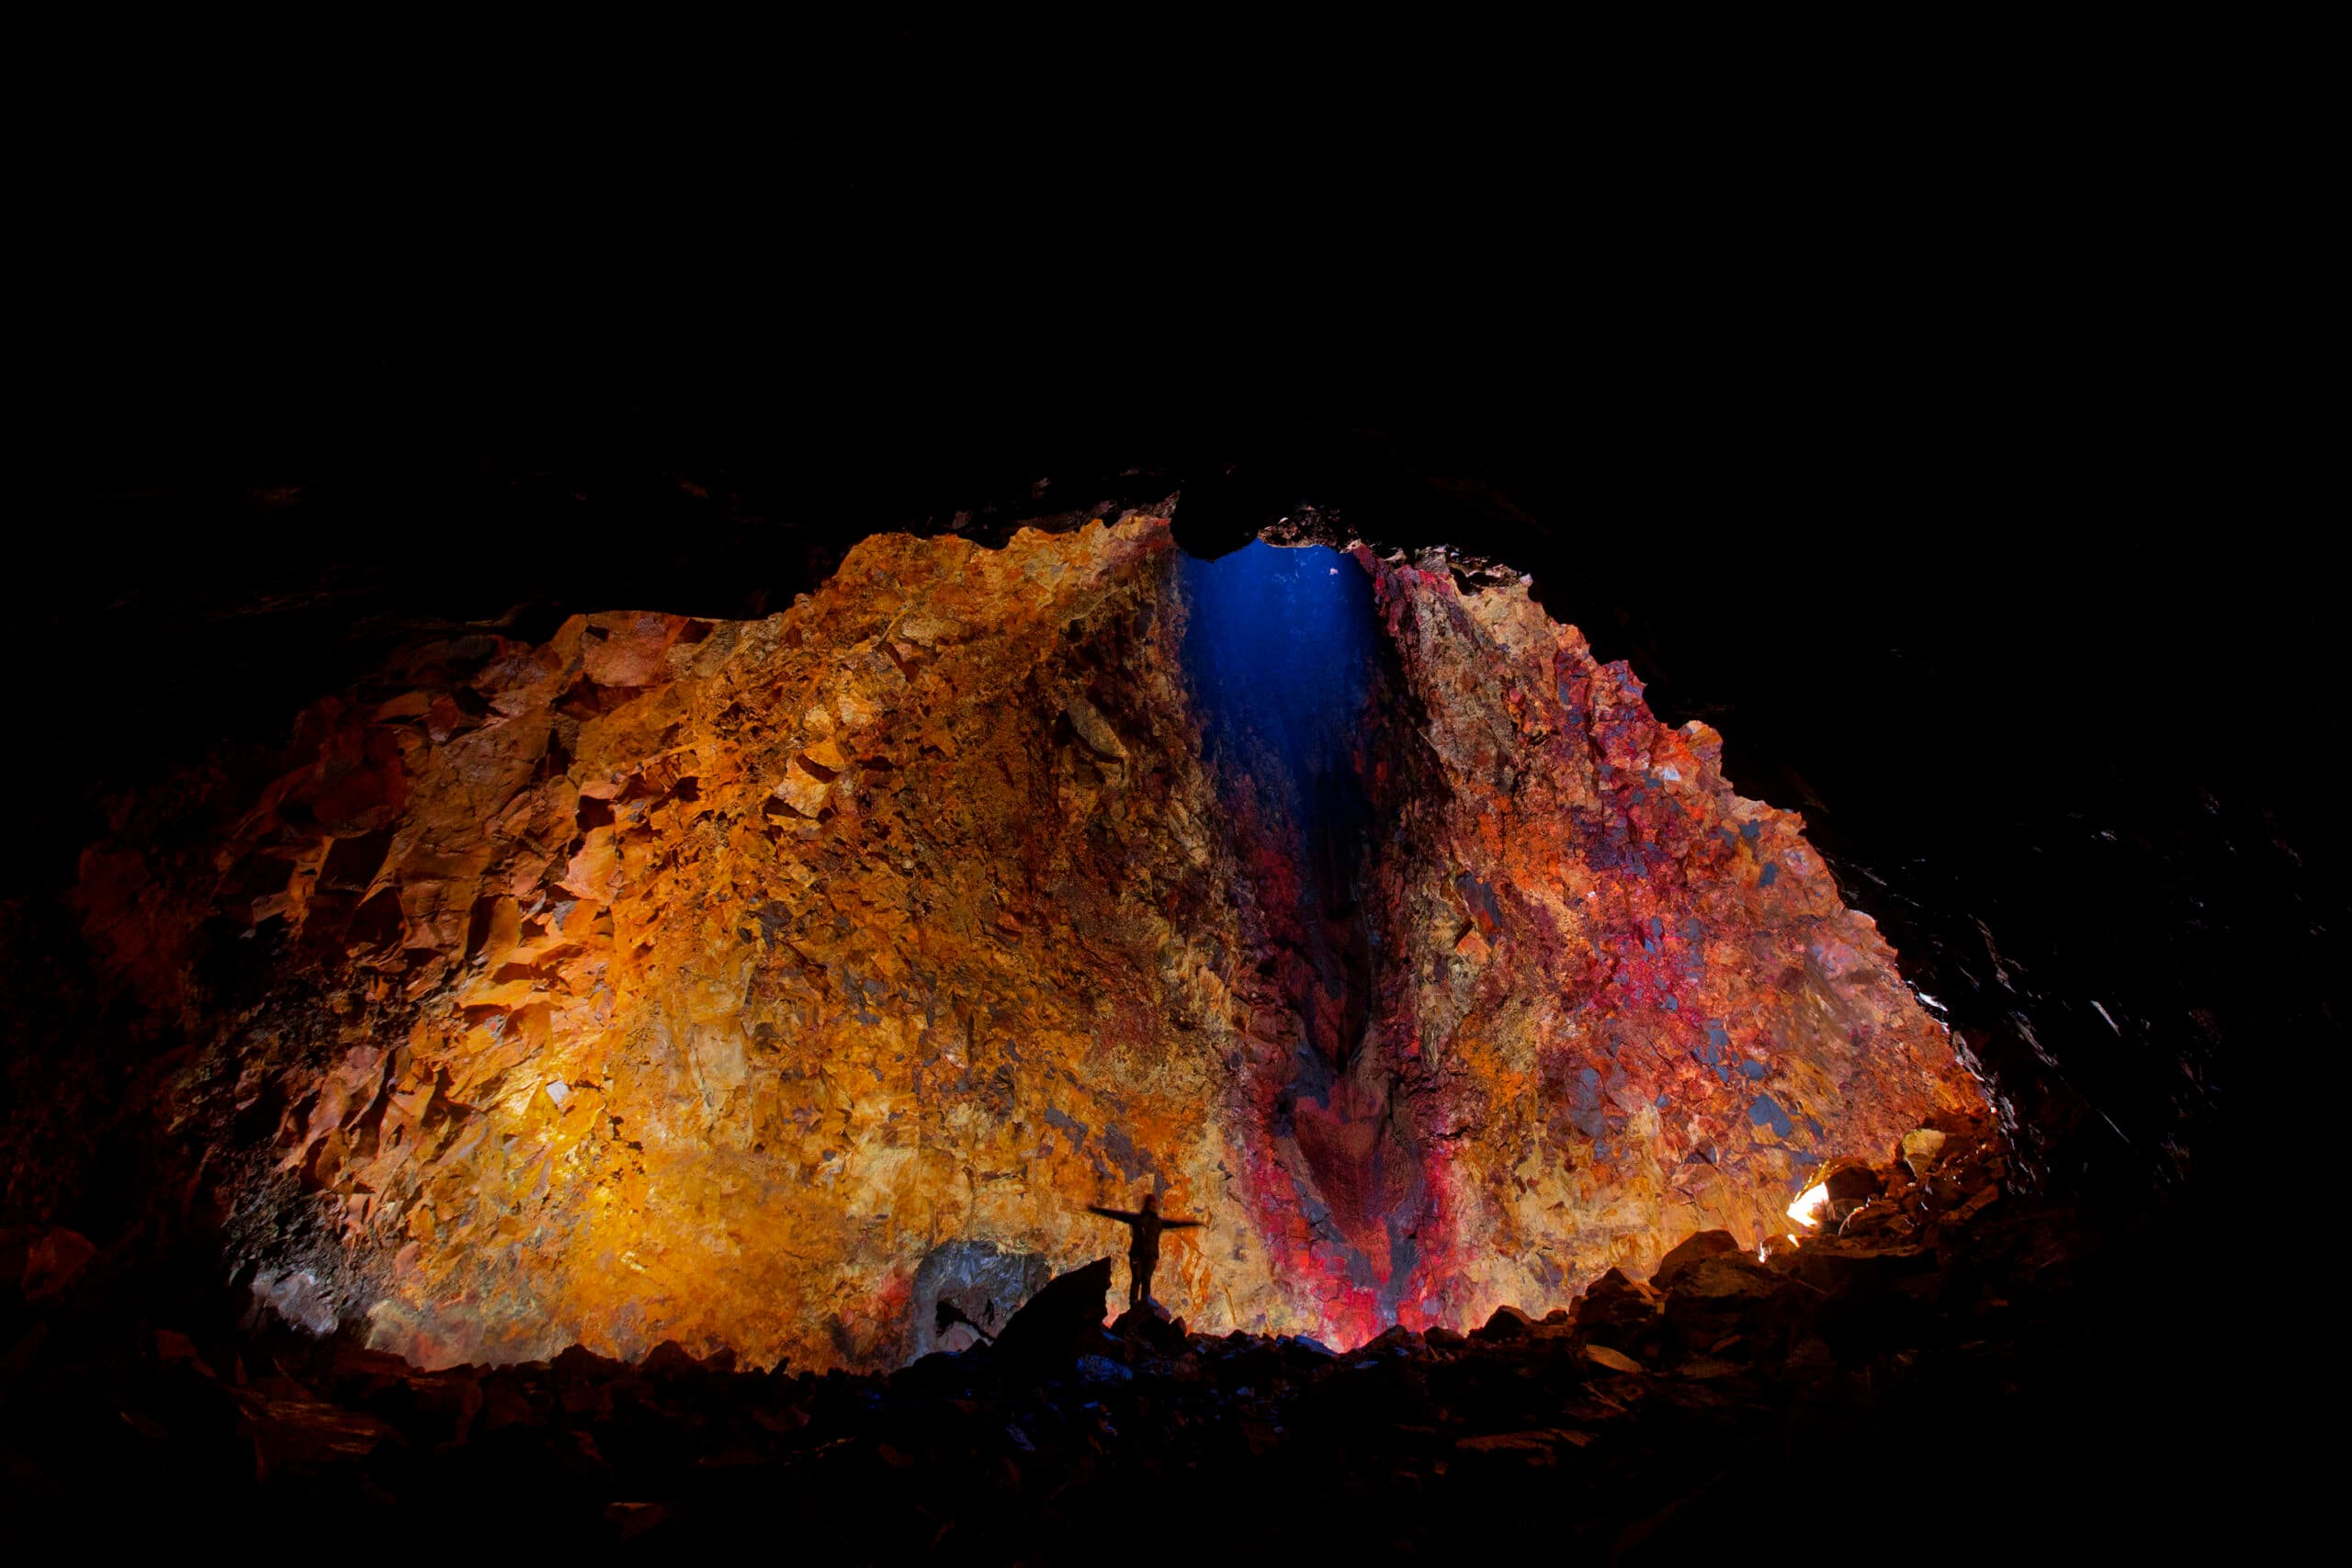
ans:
(680, 982)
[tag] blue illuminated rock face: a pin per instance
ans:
(1293, 683)
(1283, 647)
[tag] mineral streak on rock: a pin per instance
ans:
(1637, 1007)
(673, 980)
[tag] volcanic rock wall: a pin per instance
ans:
(752, 985)
(1637, 1006)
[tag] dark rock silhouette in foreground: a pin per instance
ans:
(1956, 1336)
(1050, 1324)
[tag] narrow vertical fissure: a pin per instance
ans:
(1290, 671)
(1281, 648)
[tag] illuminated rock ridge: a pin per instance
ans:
(750, 983)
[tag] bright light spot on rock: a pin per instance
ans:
(1806, 1211)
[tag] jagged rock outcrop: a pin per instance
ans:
(681, 981)
(1646, 1011)
(1661, 1405)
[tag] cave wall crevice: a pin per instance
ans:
(729, 982)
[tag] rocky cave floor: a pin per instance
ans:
(1951, 1353)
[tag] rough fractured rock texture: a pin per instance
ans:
(754, 985)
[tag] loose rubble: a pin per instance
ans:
(1647, 1413)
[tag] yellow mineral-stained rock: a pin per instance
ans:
(735, 983)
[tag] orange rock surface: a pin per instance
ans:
(741, 984)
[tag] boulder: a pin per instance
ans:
(1508, 1323)
(1151, 1326)
(1048, 1329)
(1704, 1244)
(1615, 1301)
(1921, 1149)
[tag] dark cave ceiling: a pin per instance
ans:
(2036, 754)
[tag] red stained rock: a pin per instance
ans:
(679, 982)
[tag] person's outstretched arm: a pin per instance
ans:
(1182, 1224)
(1120, 1214)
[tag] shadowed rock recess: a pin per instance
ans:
(758, 986)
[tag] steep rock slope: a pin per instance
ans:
(752, 985)
(1636, 1004)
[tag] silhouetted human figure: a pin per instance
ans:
(1142, 1251)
